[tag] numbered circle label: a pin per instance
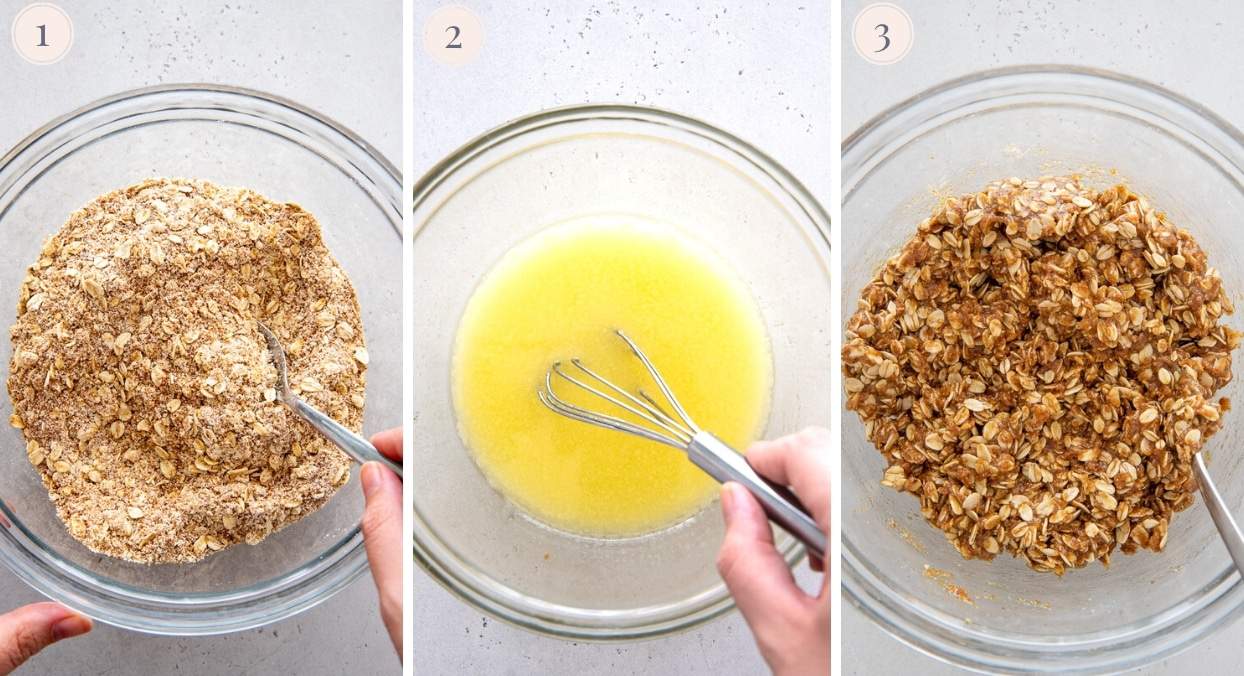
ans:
(42, 33)
(453, 35)
(882, 33)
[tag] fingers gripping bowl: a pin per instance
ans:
(234, 138)
(600, 162)
(954, 139)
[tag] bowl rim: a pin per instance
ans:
(928, 630)
(481, 591)
(886, 116)
(193, 613)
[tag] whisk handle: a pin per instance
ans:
(726, 464)
(354, 445)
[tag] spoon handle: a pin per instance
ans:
(1227, 527)
(355, 446)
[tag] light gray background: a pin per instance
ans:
(1191, 48)
(335, 57)
(758, 70)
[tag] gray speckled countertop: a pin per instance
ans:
(714, 61)
(1192, 48)
(329, 56)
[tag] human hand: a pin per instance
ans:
(29, 629)
(382, 531)
(791, 628)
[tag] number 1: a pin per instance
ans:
(43, 36)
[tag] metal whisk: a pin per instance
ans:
(677, 429)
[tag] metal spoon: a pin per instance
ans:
(1227, 527)
(355, 446)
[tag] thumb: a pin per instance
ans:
(753, 570)
(29, 629)
(382, 537)
(382, 522)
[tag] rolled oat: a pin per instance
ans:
(1038, 366)
(143, 387)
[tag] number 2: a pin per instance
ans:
(43, 36)
(453, 43)
(883, 35)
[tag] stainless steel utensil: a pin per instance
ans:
(1227, 527)
(354, 445)
(705, 450)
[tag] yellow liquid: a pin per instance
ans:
(560, 295)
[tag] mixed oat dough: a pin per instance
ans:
(144, 389)
(1038, 365)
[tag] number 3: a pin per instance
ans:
(883, 35)
(453, 44)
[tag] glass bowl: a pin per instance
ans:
(566, 164)
(955, 138)
(230, 137)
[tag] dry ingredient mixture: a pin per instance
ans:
(1038, 365)
(144, 389)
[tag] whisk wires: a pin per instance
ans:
(655, 423)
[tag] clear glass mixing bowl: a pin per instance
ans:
(548, 168)
(954, 138)
(230, 137)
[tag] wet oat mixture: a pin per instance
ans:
(1038, 365)
(144, 389)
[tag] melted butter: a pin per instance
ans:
(560, 295)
